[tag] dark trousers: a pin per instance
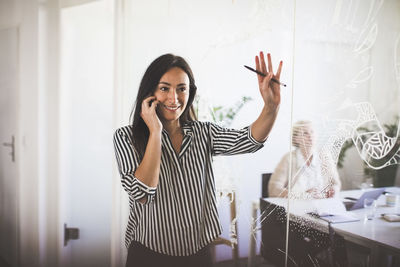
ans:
(141, 256)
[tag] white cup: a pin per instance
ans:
(392, 200)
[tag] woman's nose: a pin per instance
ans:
(172, 96)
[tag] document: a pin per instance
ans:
(332, 210)
(339, 218)
(328, 206)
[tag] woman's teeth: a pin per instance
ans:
(171, 108)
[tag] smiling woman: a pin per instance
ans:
(172, 95)
(157, 82)
(165, 161)
(171, 99)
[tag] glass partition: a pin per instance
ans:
(337, 133)
(345, 134)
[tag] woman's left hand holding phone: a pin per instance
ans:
(149, 114)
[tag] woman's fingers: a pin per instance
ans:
(267, 79)
(259, 69)
(278, 73)
(270, 69)
(263, 66)
(148, 105)
(154, 104)
(266, 85)
(149, 114)
(147, 100)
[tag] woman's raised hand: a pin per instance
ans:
(270, 91)
(149, 114)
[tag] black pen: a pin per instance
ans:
(262, 74)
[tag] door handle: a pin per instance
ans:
(70, 234)
(12, 146)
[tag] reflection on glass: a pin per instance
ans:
(314, 173)
(346, 81)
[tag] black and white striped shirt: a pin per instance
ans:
(180, 215)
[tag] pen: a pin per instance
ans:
(262, 74)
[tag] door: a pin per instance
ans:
(8, 135)
(85, 124)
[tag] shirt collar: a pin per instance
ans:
(186, 128)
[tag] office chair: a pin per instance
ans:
(264, 184)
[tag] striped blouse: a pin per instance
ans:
(180, 215)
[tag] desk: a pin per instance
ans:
(378, 236)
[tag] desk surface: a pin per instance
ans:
(372, 233)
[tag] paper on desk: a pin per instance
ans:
(339, 218)
(332, 210)
(328, 206)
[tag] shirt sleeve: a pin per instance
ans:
(127, 161)
(226, 141)
(279, 178)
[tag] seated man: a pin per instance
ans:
(314, 174)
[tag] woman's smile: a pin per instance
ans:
(172, 108)
(172, 93)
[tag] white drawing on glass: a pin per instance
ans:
(363, 76)
(376, 148)
(366, 39)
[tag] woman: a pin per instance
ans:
(165, 162)
(314, 175)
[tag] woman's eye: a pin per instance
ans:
(182, 89)
(164, 89)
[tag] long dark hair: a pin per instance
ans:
(148, 85)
